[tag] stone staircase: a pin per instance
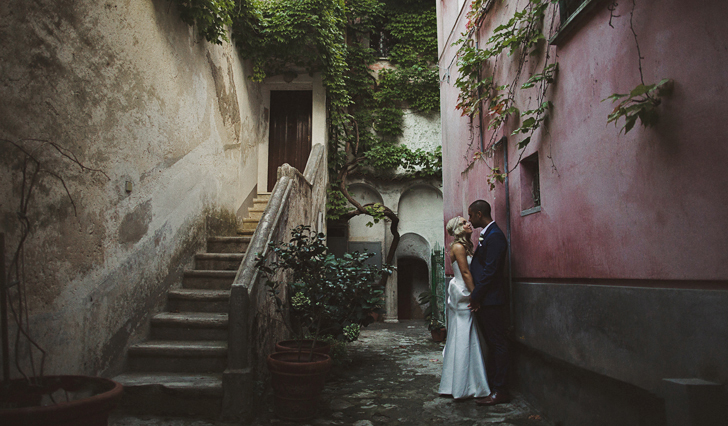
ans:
(178, 371)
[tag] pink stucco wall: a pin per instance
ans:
(649, 205)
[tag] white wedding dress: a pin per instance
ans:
(463, 371)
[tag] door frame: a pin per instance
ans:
(319, 135)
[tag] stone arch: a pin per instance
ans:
(413, 274)
(420, 211)
(358, 231)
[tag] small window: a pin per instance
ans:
(572, 11)
(530, 185)
(381, 42)
(568, 7)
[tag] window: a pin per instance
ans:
(568, 7)
(530, 185)
(380, 41)
(572, 11)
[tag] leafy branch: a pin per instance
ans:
(642, 101)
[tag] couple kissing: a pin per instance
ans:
(476, 300)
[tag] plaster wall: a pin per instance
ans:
(418, 204)
(132, 91)
(619, 278)
(639, 206)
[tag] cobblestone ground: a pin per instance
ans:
(391, 379)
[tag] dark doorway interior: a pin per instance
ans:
(289, 140)
(412, 279)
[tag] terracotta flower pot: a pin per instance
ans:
(292, 346)
(91, 399)
(297, 385)
(438, 334)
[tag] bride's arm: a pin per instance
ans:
(461, 257)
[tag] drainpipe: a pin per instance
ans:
(504, 141)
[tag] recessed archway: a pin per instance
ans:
(412, 279)
(413, 274)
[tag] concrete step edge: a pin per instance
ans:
(219, 256)
(201, 384)
(210, 273)
(228, 239)
(190, 320)
(199, 294)
(180, 349)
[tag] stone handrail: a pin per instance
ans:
(253, 325)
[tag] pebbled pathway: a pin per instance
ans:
(390, 379)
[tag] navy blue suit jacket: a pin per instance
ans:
(488, 268)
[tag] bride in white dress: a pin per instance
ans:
(463, 370)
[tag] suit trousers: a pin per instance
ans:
(493, 325)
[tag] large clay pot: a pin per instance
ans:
(292, 346)
(91, 399)
(297, 383)
(439, 334)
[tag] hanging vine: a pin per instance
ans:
(365, 112)
(520, 38)
(642, 101)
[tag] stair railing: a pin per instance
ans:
(253, 324)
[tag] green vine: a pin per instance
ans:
(365, 112)
(209, 16)
(521, 37)
(642, 101)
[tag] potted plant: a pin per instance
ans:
(434, 318)
(36, 398)
(317, 294)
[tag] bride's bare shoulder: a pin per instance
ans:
(457, 250)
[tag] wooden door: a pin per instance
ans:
(289, 140)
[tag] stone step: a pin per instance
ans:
(209, 280)
(246, 232)
(263, 196)
(218, 261)
(256, 213)
(189, 326)
(227, 244)
(177, 394)
(195, 300)
(250, 224)
(205, 356)
(260, 203)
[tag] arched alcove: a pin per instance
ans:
(420, 211)
(412, 279)
(413, 274)
(358, 229)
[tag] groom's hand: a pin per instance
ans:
(473, 305)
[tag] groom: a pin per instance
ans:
(488, 299)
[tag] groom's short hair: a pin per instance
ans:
(480, 206)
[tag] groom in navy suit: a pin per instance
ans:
(488, 299)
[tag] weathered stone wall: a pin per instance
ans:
(132, 91)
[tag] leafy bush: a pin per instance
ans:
(327, 295)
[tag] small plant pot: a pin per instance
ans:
(297, 385)
(91, 399)
(439, 334)
(292, 346)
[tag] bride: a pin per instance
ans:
(463, 370)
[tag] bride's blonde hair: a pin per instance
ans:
(455, 228)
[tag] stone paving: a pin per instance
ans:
(391, 378)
